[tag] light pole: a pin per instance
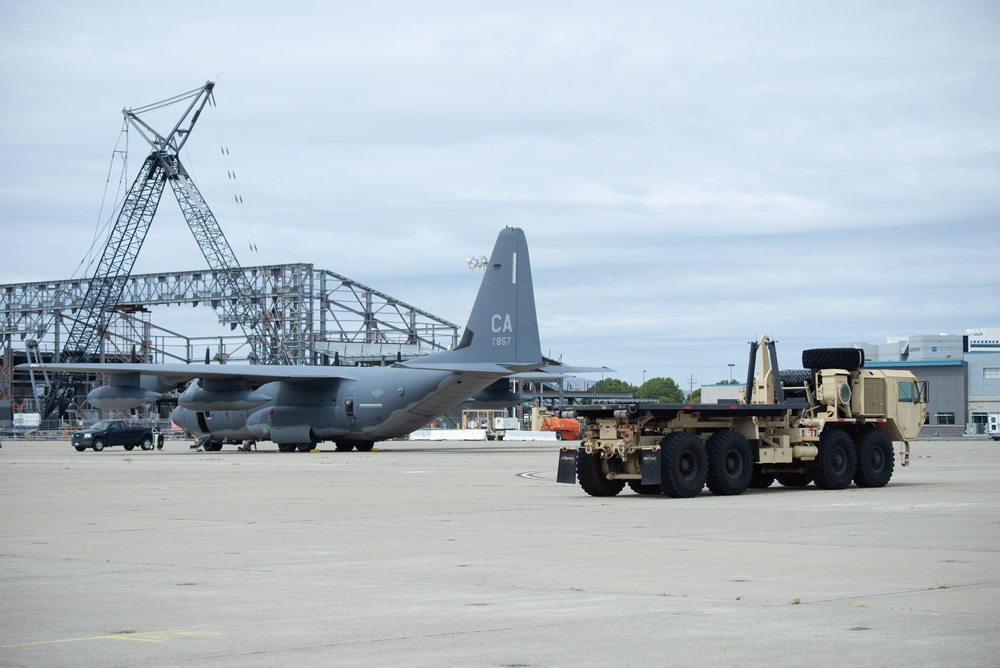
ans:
(731, 373)
(643, 376)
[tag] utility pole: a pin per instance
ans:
(691, 382)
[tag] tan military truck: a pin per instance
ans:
(829, 424)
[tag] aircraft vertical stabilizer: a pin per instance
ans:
(503, 327)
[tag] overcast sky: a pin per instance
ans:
(689, 175)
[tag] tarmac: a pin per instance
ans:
(470, 554)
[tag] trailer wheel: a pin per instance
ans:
(836, 460)
(793, 479)
(590, 473)
(730, 463)
(849, 359)
(875, 459)
(760, 480)
(683, 465)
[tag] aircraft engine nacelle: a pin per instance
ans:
(199, 399)
(120, 398)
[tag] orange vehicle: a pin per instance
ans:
(566, 429)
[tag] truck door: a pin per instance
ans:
(911, 410)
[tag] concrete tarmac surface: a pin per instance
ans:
(470, 554)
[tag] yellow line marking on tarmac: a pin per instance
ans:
(147, 636)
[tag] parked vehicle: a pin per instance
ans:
(107, 433)
(828, 424)
(993, 426)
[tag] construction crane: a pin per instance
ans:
(242, 308)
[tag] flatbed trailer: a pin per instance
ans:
(829, 426)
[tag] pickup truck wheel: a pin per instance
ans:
(98, 444)
(683, 465)
(836, 460)
(146, 443)
(129, 447)
(875, 459)
(730, 463)
(79, 448)
(593, 479)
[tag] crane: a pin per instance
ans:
(163, 165)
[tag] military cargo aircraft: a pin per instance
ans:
(297, 407)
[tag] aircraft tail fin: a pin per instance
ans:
(502, 331)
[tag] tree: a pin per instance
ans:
(695, 397)
(611, 385)
(661, 390)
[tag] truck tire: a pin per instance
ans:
(837, 460)
(79, 448)
(759, 479)
(730, 463)
(129, 447)
(874, 459)
(793, 479)
(849, 359)
(794, 378)
(639, 488)
(98, 445)
(146, 443)
(590, 473)
(683, 465)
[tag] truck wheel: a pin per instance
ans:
(98, 445)
(639, 488)
(590, 473)
(730, 463)
(683, 465)
(794, 479)
(836, 460)
(146, 443)
(760, 480)
(129, 447)
(849, 359)
(79, 448)
(875, 459)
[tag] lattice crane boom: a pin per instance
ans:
(162, 165)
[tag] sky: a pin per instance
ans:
(690, 176)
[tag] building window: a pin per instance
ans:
(979, 418)
(991, 373)
(945, 418)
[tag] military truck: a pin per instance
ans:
(112, 432)
(829, 424)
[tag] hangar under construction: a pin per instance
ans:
(279, 314)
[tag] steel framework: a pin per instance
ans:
(318, 317)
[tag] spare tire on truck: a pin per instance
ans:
(849, 359)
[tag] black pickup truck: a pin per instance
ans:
(112, 432)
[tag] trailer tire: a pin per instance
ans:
(730, 463)
(590, 473)
(760, 480)
(849, 359)
(837, 460)
(874, 459)
(683, 465)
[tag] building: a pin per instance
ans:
(961, 370)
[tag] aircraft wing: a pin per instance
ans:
(177, 374)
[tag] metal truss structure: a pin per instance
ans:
(312, 316)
